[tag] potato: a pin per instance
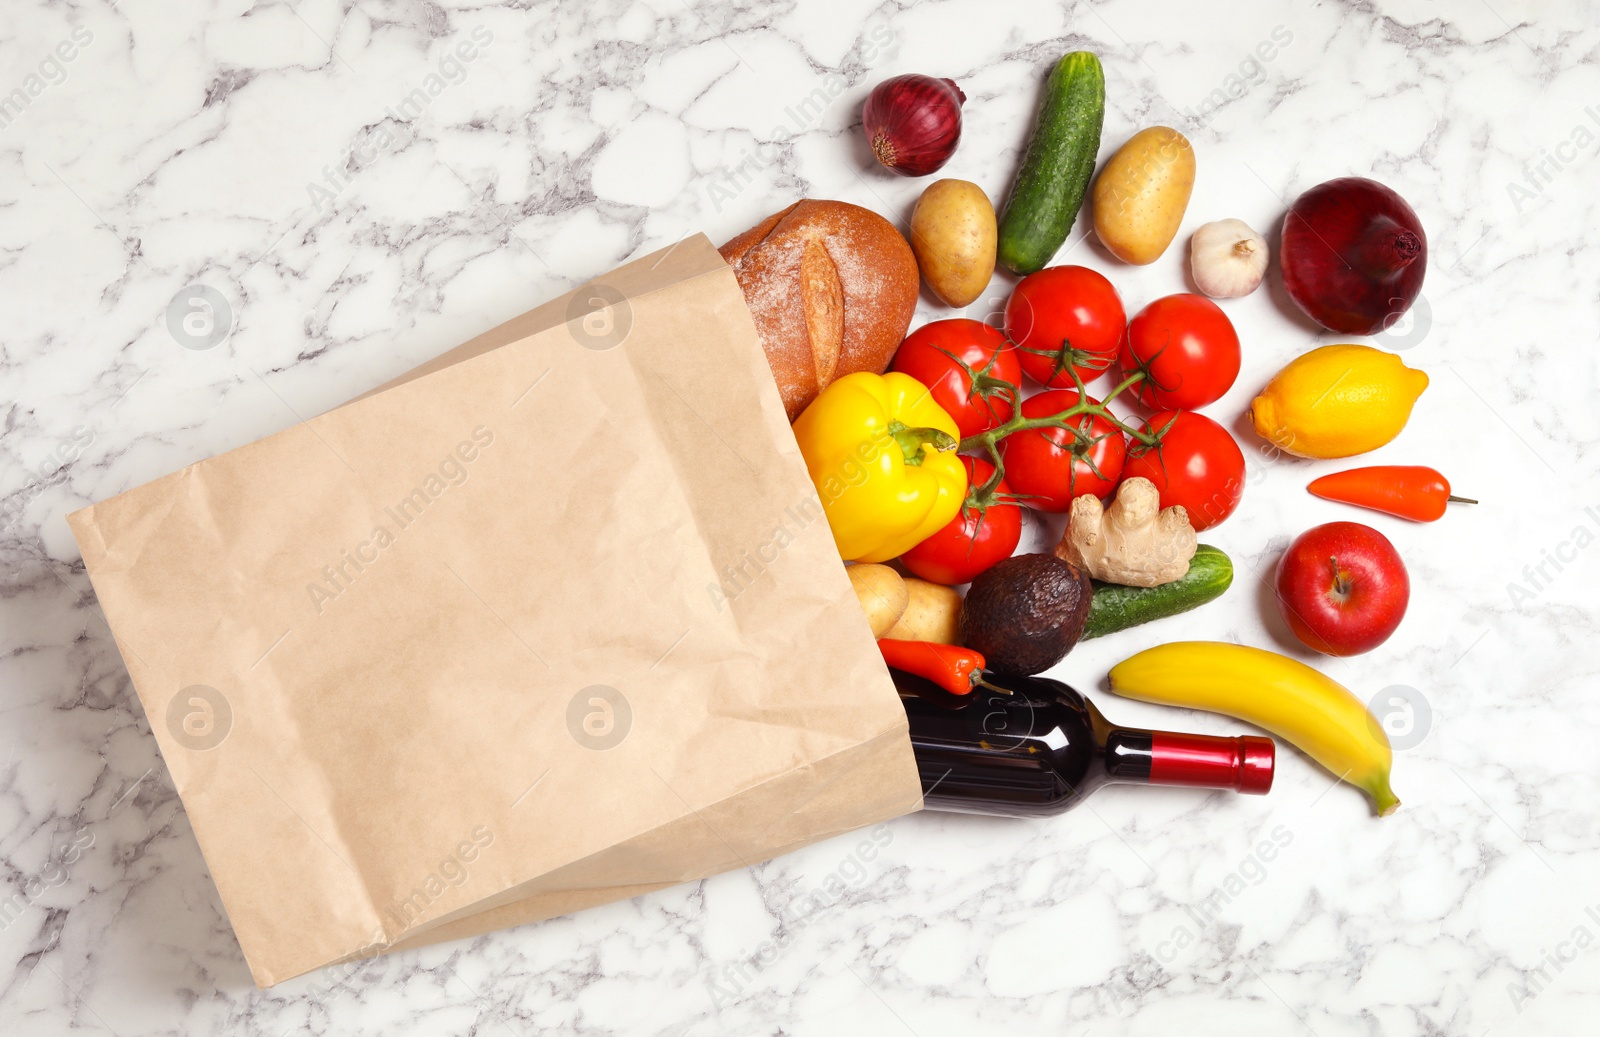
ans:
(953, 234)
(882, 594)
(933, 613)
(1142, 193)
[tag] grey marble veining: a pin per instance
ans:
(355, 186)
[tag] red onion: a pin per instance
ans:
(913, 122)
(1353, 255)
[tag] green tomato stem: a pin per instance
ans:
(989, 442)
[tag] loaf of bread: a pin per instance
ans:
(832, 288)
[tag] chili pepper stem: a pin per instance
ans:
(1460, 500)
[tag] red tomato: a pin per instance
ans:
(972, 541)
(983, 349)
(1047, 467)
(1065, 315)
(1197, 465)
(1188, 348)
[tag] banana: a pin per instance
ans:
(1286, 697)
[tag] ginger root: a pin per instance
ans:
(1134, 542)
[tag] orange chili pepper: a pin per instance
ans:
(1406, 491)
(955, 669)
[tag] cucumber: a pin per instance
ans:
(1055, 171)
(1115, 607)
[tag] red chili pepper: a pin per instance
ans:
(955, 669)
(1407, 491)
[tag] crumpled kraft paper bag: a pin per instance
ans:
(553, 620)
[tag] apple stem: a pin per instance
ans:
(1341, 580)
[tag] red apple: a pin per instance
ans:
(1343, 588)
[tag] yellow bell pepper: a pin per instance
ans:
(883, 457)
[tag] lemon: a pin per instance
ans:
(1336, 401)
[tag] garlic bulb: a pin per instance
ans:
(1228, 259)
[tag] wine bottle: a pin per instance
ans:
(1031, 747)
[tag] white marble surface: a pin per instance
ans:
(179, 146)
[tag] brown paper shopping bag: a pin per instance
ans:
(550, 621)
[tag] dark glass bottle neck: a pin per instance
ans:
(1129, 754)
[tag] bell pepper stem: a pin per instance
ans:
(912, 439)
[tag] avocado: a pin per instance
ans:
(1025, 613)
